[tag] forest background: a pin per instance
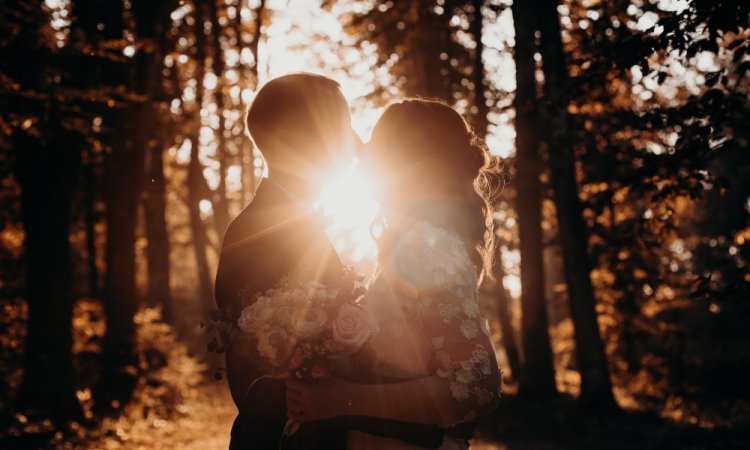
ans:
(621, 314)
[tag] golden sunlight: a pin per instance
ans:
(349, 209)
(292, 42)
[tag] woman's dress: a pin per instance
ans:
(425, 298)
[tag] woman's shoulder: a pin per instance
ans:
(430, 242)
(427, 258)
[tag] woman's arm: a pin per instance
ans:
(436, 284)
(425, 400)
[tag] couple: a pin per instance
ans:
(432, 368)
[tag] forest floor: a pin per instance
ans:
(177, 404)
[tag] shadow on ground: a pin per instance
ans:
(559, 424)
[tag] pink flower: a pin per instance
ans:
(331, 346)
(295, 362)
(354, 326)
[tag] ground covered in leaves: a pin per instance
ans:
(178, 404)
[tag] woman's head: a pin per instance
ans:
(430, 164)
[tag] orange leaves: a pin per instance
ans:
(742, 236)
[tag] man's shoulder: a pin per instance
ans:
(258, 222)
(242, 221)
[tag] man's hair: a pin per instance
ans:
(300, 110)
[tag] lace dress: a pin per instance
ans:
(425, 298)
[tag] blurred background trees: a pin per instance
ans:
(623, 217)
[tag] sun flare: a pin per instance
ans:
(349, 208)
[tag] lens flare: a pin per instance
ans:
(349, 209)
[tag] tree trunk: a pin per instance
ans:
(221, 204)
(480, 121)
(260, 12)
(153, 21)
(251, 75)
(47, 172)
(538, 376)
(124, 170)
(626, 303)
(196, 181)
(596, 389)
(89, 181)
(157, 252)
(125, 176)
(506, 323)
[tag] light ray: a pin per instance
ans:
(349, 209)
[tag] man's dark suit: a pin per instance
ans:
(271, 239)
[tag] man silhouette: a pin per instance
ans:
(302, 125)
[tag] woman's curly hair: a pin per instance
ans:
(430, 156)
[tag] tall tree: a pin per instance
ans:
(419, 43)
(504, 316)
(596, 388)
(47, 170)
(90, 218)
(125, 169)
(157, 252)
(220, 202)
(251, 75)
(480, 110)
(197, 188)
(155, 201)
(538, 376)
(480, 122)
(122, 188)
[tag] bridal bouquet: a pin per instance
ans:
(305, 330)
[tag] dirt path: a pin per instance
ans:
(201, 422)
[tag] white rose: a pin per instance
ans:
(310, 322)
(297, 296)
(354, 326)
(252, 316)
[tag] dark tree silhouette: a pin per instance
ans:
(537, 376)
(506, 324)
(47, 171)
(197, 187)
(125, 174)
(220, 203)
(46, 165)
(596, 389)
(155, 190)
(157, 253)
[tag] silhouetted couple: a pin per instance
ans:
(432, 368)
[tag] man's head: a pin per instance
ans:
(301, 123)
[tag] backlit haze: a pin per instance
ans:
(304, 37)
